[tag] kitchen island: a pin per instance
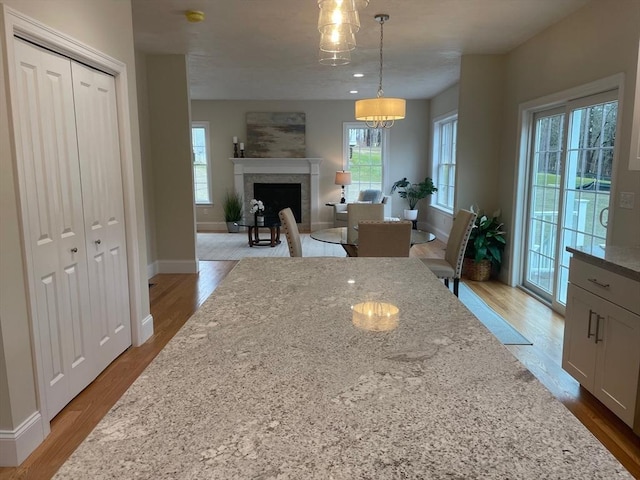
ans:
(343, 368)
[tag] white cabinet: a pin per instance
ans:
(602, 337)
(75, 237)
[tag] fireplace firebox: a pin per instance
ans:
(277, 196)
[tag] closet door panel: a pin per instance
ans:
(55, 224)
(99, 152)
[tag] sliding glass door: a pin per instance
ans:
(571, 163)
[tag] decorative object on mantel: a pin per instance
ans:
(232, 206)
(241, 150)
(343, 178)
(380, 112)
(413, 193)
(257, 208)
(276, 135)
(235, 147)
(485, 247)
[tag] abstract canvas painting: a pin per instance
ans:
(275, 135)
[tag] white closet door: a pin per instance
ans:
(99, 152)
(55, 222)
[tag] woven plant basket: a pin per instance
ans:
(478, 272)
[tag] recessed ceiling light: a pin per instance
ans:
(353, 91)
(358, 75)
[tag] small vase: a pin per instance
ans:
(259, 220)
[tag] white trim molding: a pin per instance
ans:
(16, 445)
(304, 166)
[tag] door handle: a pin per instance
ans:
(74, 250)
(589, 334)
(598, 317)
(98, 242)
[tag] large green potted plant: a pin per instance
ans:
(413, 193)
(484, 249)
(232, 206)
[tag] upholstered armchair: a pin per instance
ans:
(365, 196)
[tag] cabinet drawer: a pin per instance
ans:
(608, 285)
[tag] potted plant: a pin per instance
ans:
(413, 193)
(485, 247)
(232, 206)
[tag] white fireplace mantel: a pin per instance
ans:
(304, 166)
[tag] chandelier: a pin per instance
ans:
(380, 112)
(338, 23)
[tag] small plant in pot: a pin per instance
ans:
(485, 247)
(232, 206)
(413, 193)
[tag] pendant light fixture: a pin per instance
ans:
(380, 112)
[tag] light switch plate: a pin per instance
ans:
(627, 200)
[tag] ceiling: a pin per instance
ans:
(268, 49)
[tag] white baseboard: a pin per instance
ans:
(177, 266)
(152, 269)
(211, 226)
(146, 330)
(440, 234)
(16, 445)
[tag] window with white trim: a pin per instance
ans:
(364, 157)
(201, 163)
(444, 161)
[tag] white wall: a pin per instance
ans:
(597, 41)
(446, 102)
(171, 160)
(408, 155)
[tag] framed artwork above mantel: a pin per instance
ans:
(275, 135)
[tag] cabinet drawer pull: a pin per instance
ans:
(595, 280)
(589, 334)
(598, 317)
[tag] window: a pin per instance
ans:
(444, 161)
(201, 162)
(364, 154)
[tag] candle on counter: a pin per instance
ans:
(235, 139)
(241, 146)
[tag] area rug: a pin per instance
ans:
(235, 246)
(497, 325)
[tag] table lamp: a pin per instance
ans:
(343, 178)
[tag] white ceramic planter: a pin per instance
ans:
(410, 214)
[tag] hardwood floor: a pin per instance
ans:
(174, 298)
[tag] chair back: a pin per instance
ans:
(290, 228)
(384, 239)
(458, 238)
(356, 212)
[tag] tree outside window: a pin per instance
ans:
(364, 157)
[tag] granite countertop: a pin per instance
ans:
(622, 260)
(272, 379)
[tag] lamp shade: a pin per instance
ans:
(334, 59)
(380, 109)
(338, 12)
(343, 178)
(338, 39)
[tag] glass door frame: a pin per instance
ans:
(526, 110)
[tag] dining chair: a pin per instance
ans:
(451, 266)
(384, 239)
(290, 228)
(356, 212)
